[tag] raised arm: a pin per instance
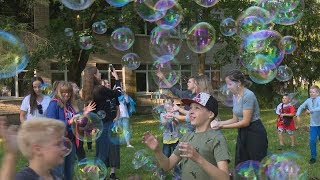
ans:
(153, 144)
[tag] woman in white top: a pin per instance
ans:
(35, 104)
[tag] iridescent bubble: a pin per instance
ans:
(290, 17)
(206, 3)
(68, 32)
(201, 37)
(184, 128)
(13, 55)
(264, 74)
(131, 61)
(252, 19)
(172, 18)
(228, 27)
(295, 98)
(287, 5)
(269, 5)
(47, 89)
(90, 169)
(101, 114)
(157, 110)
(122, 38)
(87, 128)
(284, 73)
(151, 164)
(170, 73)
(85, 42)
(76, 4)
(67, 145)
(118, 3)
(248, 170)
(289, 44)
(147, 13)
(160, 5)
(120, 131)
(264, 44)
(164, 44)
(283, 166)
(225, 96)
(139, 159)
(99, 27)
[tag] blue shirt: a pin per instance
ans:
(314, 107)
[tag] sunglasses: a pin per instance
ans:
(39, 107)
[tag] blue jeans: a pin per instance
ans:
(66, 169)
(314, 133)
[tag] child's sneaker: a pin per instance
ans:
(312, 161)
(130, 146)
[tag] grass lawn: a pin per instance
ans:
(142, 123)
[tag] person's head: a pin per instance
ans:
(204, 108)
(314, 91)
(285, 99)
(236, 81)
(41, 139)
(65, 95)
(106, 83)
(91, 78)
(35, 91)
(168, 103)
(191, 84)
(203, 84)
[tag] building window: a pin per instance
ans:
(146, 84)
(59, 72)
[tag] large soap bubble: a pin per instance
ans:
(87, 128)
(13, 55)
(118, 3)
(76, 4)
(90, 169)
(131, 61)
(201, 37)
(122, 38)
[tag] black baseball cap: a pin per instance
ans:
(206, 100)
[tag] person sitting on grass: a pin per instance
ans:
(203, 153)
(285, 123)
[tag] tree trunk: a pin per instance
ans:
(310, 81)
(77, 65)
(202, 62)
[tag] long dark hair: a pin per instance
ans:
(237, 76)
(89, 82)
(33, 95)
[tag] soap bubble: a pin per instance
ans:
(13, 55)
(90, 169)
(76, 4)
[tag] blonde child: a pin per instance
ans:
(42, 142)
(313, 105)
(285, 122)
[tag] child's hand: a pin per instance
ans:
(91, 107)
(188, 151)
(9, 136)
(215, 124)
(308, 111)
(151, 141)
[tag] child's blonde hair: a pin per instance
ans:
(315, 87)
(38, 131)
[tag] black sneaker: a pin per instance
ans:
(113, 176)
(312, 161)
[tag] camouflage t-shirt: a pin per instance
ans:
(211, 145)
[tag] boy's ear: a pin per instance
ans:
(211, 116)
(36, 149)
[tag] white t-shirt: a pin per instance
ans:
(25, 106)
